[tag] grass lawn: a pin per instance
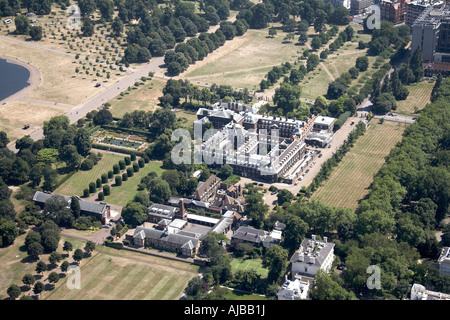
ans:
(145, 97)
(350, 181)
(237, 295)
(80, 180)
(15, 262)
(244, 61)
(186, 118)
(124, 275)
(419, 96)
(121, 195)
(248, 264)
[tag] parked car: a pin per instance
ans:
(8, 21)
(320, 155)
(307, 170)
(329, 146)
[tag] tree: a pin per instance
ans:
(55, 257)
(71, 157)
(272, 32)
(35, 33)
(41, 267)
(89, 247)
(134, 213)
(325, 288)
(38, 288)
(316, 43)
(13, 291)
(275, 260)
(8, 232)
(67, 246)
(78, 255)
(160, 191)
(87, 27)
(225, 172)
(384, 103)
(294, 232)
(35, 249)
(312, 62)
(28, 280)
(53, 277)
(22, 23)
(103, 117)
(416, 64)
(362, 63)
(65, 266)
(82, 142)
(283, 196)
(287, 97)
(117, 26)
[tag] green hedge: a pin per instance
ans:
(116, 149)
(341, 120)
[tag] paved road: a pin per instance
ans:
(397, 118)
(104, 96)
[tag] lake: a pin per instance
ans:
(13, 78)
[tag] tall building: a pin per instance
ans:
(394, 10)
(431, 31)
(337, 3)
(414, 9)
(359, 6)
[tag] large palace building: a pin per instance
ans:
(257, 146)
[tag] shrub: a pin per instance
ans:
(122, 164)
(86, 193)
(104, 178)
(106, 190)
(92, 188)
(135, 167)
(124, 176)
(116, 169)
(87, 164)
(118, 180)
(98, 183)
(130, 172)
(141, 163)
(127, 160)
(101, 196)
(133, 157)
(110, 174)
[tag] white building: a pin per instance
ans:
(419, 292)
(312, 256)
(337, 3)
(294, 290)
(444, 262)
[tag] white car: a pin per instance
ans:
(8, 21)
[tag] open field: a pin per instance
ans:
(80, 180)
(186, 118)
(248, 264)
(121, 195)
(14, 115)
(124, 275)
(145, 97)
(59, 81)
(349, 182)
(244, 61)
(15, 262)
(419, 96)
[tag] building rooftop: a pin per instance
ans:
(312, 251)
(86, 206)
